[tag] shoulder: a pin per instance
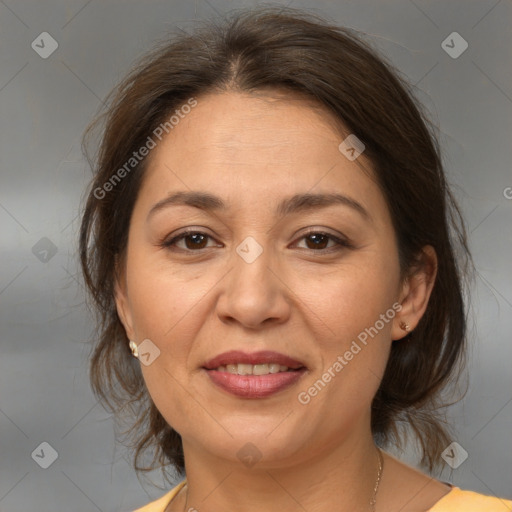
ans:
(161, 503)
(407, 489)
(470, 501)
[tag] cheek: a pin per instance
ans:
(354, 296)
(335, 301)
(356, 304)
(161, 298)
(165, 310)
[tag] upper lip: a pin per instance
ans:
(261, 357)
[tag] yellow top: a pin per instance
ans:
(456, 500)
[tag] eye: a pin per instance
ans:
(318, 241)
(193, 240)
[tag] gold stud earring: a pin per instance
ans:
(134, 349)
(404, 326)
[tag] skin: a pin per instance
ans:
(309, 303)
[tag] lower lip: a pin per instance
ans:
(254, 386)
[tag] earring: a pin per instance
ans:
(133, 348)
(404, 326)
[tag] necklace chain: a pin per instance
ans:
(373, 501)
(379, 474)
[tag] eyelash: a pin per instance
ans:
(341, 244)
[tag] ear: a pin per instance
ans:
(121, 299)
(415, 293)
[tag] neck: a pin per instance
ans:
(338, 477)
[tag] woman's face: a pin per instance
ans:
(311, 280)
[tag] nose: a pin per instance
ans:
(254, 294)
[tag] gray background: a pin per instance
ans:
(45, 105)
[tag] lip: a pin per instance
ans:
(261, 357)
(254, 386)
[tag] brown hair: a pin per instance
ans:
(276, 48)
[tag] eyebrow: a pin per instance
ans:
(294, 204)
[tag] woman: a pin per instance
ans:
(268, 230)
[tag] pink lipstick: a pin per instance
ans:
(257, 375)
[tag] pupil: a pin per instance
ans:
(317, 240)
(197, 239)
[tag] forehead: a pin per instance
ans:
(272, 122)
(258, 146)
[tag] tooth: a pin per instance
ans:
(232, 368)
(273, 368)
(260, 369)
(245, 369)
(249, 369)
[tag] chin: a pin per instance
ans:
(257, 446)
